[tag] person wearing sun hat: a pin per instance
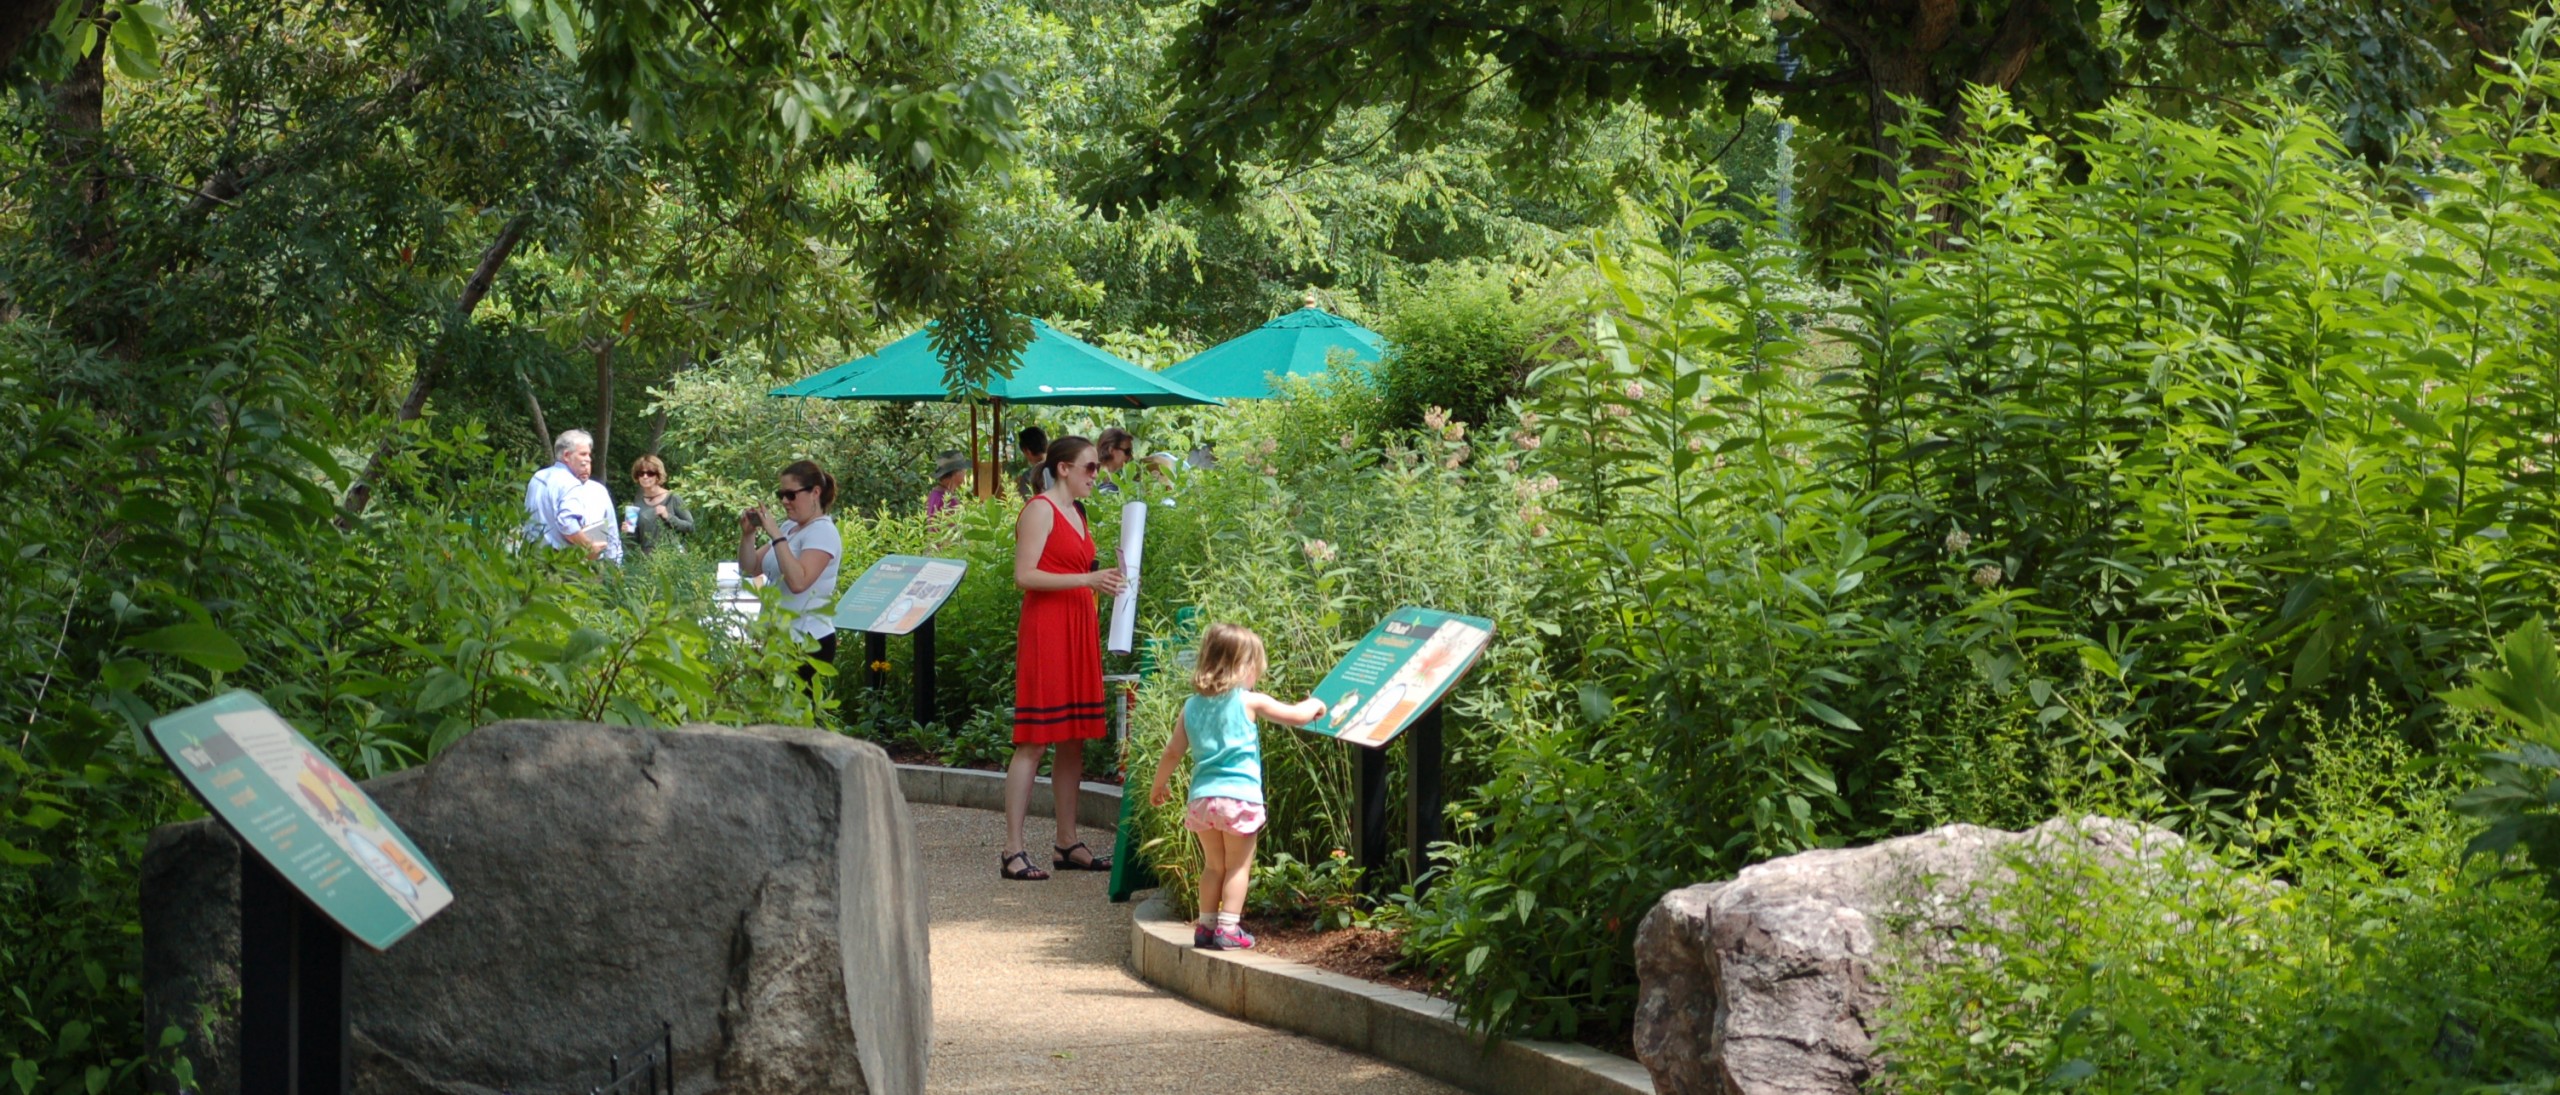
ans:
(950, 484)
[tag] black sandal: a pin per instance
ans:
(1028, 873)
(1066, 860)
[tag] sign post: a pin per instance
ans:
(320, 862)
(1393, 680)
(898, 596)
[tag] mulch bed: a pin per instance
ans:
(1365, 953)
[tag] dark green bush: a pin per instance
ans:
(1463, 340)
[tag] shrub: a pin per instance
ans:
(1464, 340)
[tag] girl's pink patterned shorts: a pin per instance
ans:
(1223, 815)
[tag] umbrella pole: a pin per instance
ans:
(977, 480)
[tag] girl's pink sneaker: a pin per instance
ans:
(1220, 939)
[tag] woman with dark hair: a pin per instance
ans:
(800, 554)
(1057, 690)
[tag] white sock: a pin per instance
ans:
(1229, 920)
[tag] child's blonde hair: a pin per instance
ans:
(1230, 654)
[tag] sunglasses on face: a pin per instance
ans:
(788, 493)
(1089, 467)
(644, 475)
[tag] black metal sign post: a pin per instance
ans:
(293, 990)
(875, 650)
(1369, 820)
(1424, 754)
(1422, 749)
(928, 709)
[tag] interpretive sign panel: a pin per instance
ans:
(1402, 667)
(293, 808)
(898, 593)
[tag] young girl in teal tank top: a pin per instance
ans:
(1216, 728)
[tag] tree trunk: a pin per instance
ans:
(533, 403)
(431, 362)
(79, 121)
(604, 405)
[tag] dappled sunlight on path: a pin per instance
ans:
(1032, 991)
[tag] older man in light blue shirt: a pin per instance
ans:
(542, 493)
(565, 507)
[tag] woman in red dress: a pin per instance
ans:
(1057, 689)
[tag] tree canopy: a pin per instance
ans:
(1256, 82)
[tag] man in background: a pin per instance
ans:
(572, 453)
(1034, 443)
(577, 513)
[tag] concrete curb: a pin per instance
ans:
(1393, 1025)
(1390, 1024)
(1097, 804)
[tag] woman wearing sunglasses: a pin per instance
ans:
(799, 555)
(1057, 691)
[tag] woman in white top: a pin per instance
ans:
(800, 555)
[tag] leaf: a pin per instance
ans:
(16, 856)
(442, 687)
(202, 643)
(1827, 713)
(23, 1070)
(564, 28)
(1597, 707)
(1814, 773)
(2071, 1072)
(134, 45)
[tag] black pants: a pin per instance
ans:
(826, 653)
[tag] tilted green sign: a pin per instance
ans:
(1395, 673)
(898, 594)
(293, 808)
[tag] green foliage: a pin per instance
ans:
(2521, 800)
(2094, 502)
(2383, 964)
(1463, 340)
(727, 439)
(1324, 893)
(154, 565)
(1250, 84)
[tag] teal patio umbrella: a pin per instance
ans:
(1053, 369)
(1298, 344)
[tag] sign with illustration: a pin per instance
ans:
(1395, 673)
(293, 808)
(898, 594)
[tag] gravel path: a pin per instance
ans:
(1032, 991)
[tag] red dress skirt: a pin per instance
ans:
(1057, 680)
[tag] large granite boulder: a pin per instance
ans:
(759, 889)
(1767, 984)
